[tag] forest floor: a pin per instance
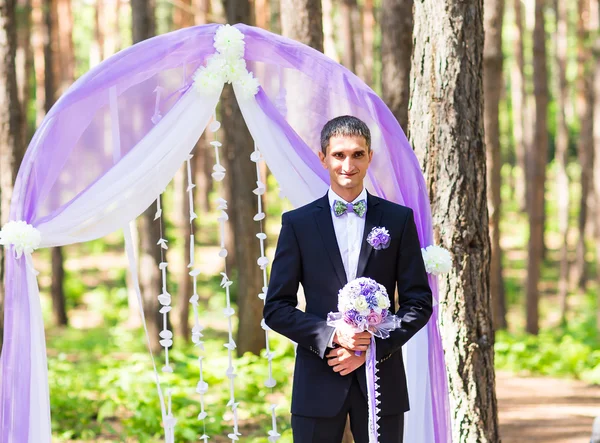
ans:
(544, 409)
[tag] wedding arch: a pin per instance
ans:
(108, 148)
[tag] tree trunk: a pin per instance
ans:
(262, 13)
(302, 20)
(519, 107)
(65, 51)
(10, 124)
(446, 130)
(183, 15)
(143, 27)
(24, 63)
(242, 203)
(492, 86)
(586, 137)
(537, 159)
(347, 34)
(368, 25)
(37, 43)
(562, 150)
(328, 31)
(51, 45)
(396, 51)
(596, 30)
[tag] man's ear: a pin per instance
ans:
(370, 155)
(322, 158)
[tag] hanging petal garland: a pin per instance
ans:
(201, 386)
(262, 262)
(219, 175)
(227, 65)
(437, 260)
(166, 336)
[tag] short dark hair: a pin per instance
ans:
(345, 126)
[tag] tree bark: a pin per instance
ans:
(143, 27)
(368, 40)
(242, 203)
(562, 150)
(596, 29)
(446, 130)
(328, 31)
(396, 51)
(537, 159)
(302, 20)
(492, 86)
(51, 93)
(262, 13)
(10, 124)
(519, 107)
(24, 63)
(347, 34)
(586, 137)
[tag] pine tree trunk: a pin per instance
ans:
(368, 40)
(536, 165)
(143, 27)
(347, 34)
(328, 31)
(24, 64)
(11, 121)
(519, 106)
(50, 95)
(262, 13)
(585, 140)
(396, 51)
(493, 85)
(446, 130)
(562, 150)
(242, 203)
(596, 46)
(302, 20)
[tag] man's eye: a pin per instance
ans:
(359, 154)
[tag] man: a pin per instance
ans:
(323, 246)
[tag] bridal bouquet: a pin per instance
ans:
(363, 306)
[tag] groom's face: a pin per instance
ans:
(347, 159)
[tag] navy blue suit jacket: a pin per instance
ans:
(307, 253)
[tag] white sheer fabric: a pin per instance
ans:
(301, 185)
(106, 206)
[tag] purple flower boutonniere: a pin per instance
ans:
(379, 238)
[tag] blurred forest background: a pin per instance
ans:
(541, 97)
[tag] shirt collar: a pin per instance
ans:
(333, 196)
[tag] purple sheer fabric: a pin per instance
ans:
(301, 90)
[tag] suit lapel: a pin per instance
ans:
(325, 227)
(373, 219)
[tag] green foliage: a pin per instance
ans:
(102, 386)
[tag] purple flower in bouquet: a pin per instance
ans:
(379, 238)
(374, 318)
(350, 317)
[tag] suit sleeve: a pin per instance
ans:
(414, 293)
(280, 312)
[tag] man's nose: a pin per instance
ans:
(347, 164)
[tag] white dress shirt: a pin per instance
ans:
(349, 229)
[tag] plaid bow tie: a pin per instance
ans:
(340, 208)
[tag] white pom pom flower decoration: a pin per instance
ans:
(22, 236)
(437, 260)
(226, 66)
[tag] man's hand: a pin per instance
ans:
(351, 340)
(344, 361)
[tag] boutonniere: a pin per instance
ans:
(379, 238)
